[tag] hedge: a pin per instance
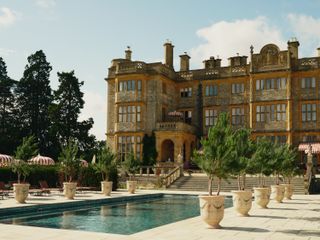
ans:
(87, 177)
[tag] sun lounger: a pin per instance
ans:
(44, 187)
(4, 192)
(36, 192)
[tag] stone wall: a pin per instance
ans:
(270, 62)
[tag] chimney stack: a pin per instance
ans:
(237, 61)
(184, 62)
(212, 63)
(293, 47)
(318, 49)
(168, 54)
(128, 53)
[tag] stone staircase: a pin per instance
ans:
(199, 182)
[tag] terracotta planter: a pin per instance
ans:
(277, 193)
(242, 202)
(69, 189)
(288, 191)
(21, 191)
(131, 186)
(212, 210)
(262, 196)
(106, 188)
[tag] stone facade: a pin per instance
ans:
(276, 94)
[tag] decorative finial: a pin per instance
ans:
(251, 49)
(185, 53)
(128, 47)
(237, 54)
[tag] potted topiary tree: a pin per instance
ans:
(289, 170)
(260, 163)
(214, 160)
(24, 152)
(277, 190)
(105, 164)
(69, 165)
(242, 150)
(131, 166)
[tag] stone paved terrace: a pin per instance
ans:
(295, 219)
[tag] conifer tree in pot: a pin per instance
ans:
(131, 166)
(289, 170)
(70, 165)
(261, 165)
(24, 152)
(215, 162)
(105, 164)
(242, 150)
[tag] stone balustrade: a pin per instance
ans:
(175, 126)
(308, 63)
(131, 67)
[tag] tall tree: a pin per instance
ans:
(65, 113)
(34, 96)
(8, 123)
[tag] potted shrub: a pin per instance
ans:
(214, 160)
(69, 165)
(131, 166)
(289, 170)
(105, 164)
(260, 163)
(24, 152)
(242, 150)
(277, 190)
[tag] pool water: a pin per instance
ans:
(123, 218)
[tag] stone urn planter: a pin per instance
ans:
(21, 191)
(288, 191)
(69, 189)
(262, 196)
(242, 202)
(131, 186)
(106, 188)
(277, 193)
(212, 210)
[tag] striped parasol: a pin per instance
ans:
(5, 160)
(41, 160)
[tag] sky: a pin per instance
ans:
(85, 35)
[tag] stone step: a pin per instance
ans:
(200, 183)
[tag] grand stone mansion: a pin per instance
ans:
(275, 93)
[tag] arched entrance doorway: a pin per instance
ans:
(167, 151)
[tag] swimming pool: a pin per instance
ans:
(126, 216)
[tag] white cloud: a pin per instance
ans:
(6, 52)
(226, 39)
(7, 17)
(306, 28)
(95, 107)
(46, 3)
